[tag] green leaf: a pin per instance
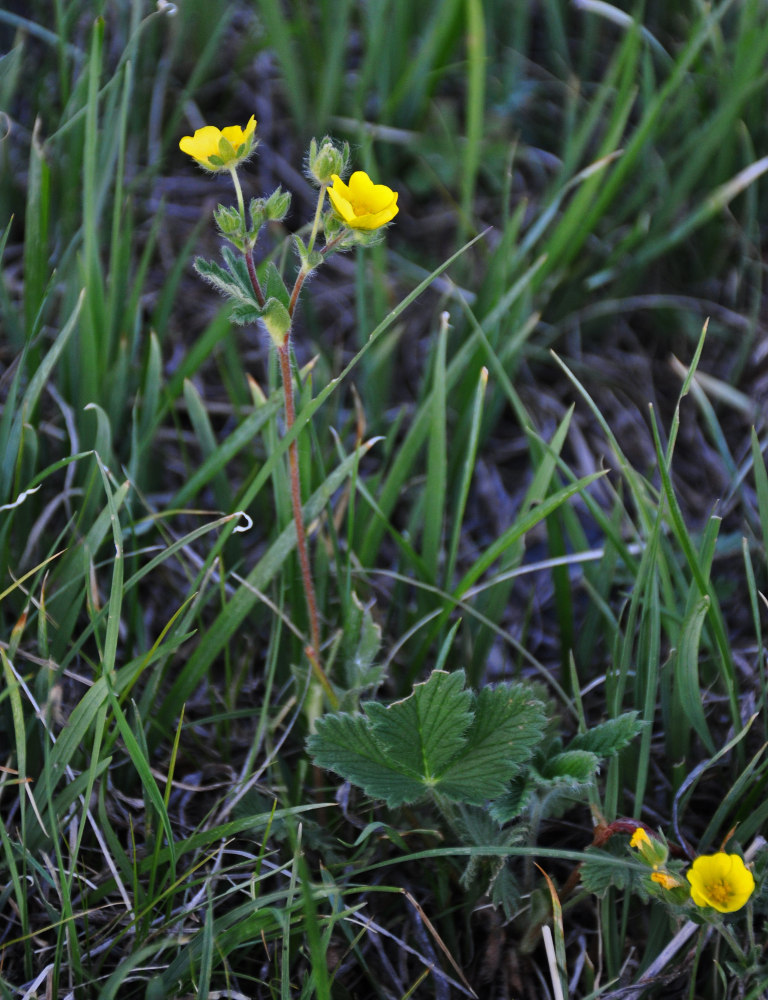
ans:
(599, 872)
(219, 278)
(609, 737)
(508, 724)
(439, 739)
(239, 271)
(345, 744)
(274, 286)
(362, 641)
(426, 729)
(514, 800)
(506, 891)
(572, 767)
(244, 314)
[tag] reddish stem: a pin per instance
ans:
(284, 353)
(254, 279)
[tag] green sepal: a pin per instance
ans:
(365, 237)
(215, 160)
(332, 225)
(277, 205)
(226, 152)
(228, 220)
(309, 259)
(326, 159)
(257, 213)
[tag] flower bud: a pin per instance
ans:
(258, 211)
(277, 205)
(653, 851)
(326, 159)
(228, 220)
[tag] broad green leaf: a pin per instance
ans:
(514, 800)
(439, 739)
(509, 722)
(599, 872)
(426, 729)
(344, 743)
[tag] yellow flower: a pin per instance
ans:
(721, 881)
(639, 837)
(665, 880)
(361, 204)
(220, 149)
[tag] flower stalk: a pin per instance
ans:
(284, 356)
(358, 211)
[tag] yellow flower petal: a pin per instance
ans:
(665, 880)
(361, 204)
(205, 143)
(639, 837)
(721, 881)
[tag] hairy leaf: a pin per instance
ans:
(508, 724)
(344, 743)
(514, 800)
(426, 729)
(440, 739)
(599, 873)
(274, 286)
(609, 737)
(572, 767)
(245, 313)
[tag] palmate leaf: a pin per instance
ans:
(508, 724)
(344, 743)
(439, 739)
(426, 729)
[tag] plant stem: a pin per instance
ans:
(316, 223)
(248, 251)
(248, 254)
(239, 193)
(284, 354)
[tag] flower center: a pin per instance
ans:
(720, 891)
(359, 208)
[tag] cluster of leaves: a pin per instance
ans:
(233, 280)
(498, 749)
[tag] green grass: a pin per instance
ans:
(485, 485)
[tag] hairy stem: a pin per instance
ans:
(318, 212)
(248, 254)
(284, 354)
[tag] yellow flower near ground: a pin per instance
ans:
(639, 837)
(220, 149)
(361, 204)
(665, 880)
(721, 881)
